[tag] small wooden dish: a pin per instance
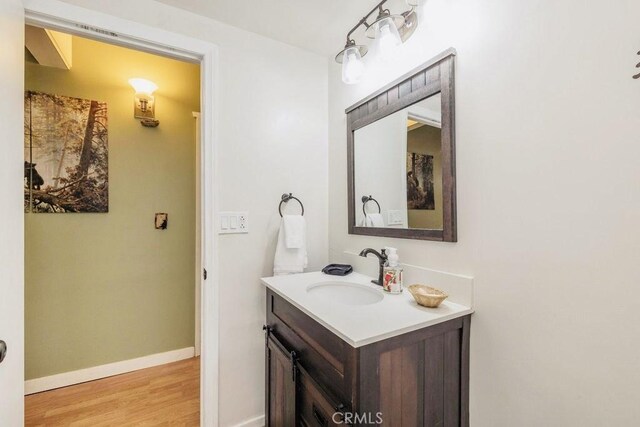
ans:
(427, 296)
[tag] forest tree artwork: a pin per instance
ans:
(66, 154)
(420, 189)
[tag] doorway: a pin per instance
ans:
(110, 218)
(82, 22)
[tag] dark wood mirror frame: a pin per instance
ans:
(435, 76)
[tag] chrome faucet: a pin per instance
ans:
(382, 258)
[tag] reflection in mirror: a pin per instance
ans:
(398, 169)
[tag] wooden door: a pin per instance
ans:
(280, 384)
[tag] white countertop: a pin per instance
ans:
(360, 325)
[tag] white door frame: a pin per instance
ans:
(107, 28)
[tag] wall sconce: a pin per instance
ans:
(389, 31)
(144, 105)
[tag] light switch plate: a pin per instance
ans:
(233, 222)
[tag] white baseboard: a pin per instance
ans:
(253, 422)
(37, 385)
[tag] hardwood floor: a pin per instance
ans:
(166, 395)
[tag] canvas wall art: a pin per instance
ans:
(420, 189)
(66, 154)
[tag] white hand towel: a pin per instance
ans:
(374, 220)
(288, 261)
(294, 231)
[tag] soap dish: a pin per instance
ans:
(427, 296)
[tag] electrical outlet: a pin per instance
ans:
(243, 221)
(233, 222)
(394, 217)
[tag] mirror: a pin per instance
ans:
(401, 157)
(398, 169)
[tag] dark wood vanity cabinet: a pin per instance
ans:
(315, 379)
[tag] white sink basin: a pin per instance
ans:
(345, 293)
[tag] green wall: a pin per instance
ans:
(101, 288)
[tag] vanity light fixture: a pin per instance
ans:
(144, 106)
(389, 31)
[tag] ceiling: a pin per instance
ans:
(319, 26)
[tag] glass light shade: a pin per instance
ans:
(352, 66)
(388, 38)
(415, 3)
(143, 86)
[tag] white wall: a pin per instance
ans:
(380, 155)
(548, 122)
(273, 138)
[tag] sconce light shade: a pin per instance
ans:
(143, 86)
(384, 19)
(387, 38)
(352, 66)
(144, 102)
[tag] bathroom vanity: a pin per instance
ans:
(339, 351)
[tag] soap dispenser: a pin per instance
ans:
(392, 275)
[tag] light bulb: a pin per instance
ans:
(388, 39)
(352, 66)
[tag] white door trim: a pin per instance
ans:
(107, 28)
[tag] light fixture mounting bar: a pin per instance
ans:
(363, 21)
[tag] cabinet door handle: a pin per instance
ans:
(321, 419)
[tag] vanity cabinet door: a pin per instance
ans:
(280, 385)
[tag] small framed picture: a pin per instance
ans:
(162, 220)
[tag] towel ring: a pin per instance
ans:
(285, 198)
(365, 200)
